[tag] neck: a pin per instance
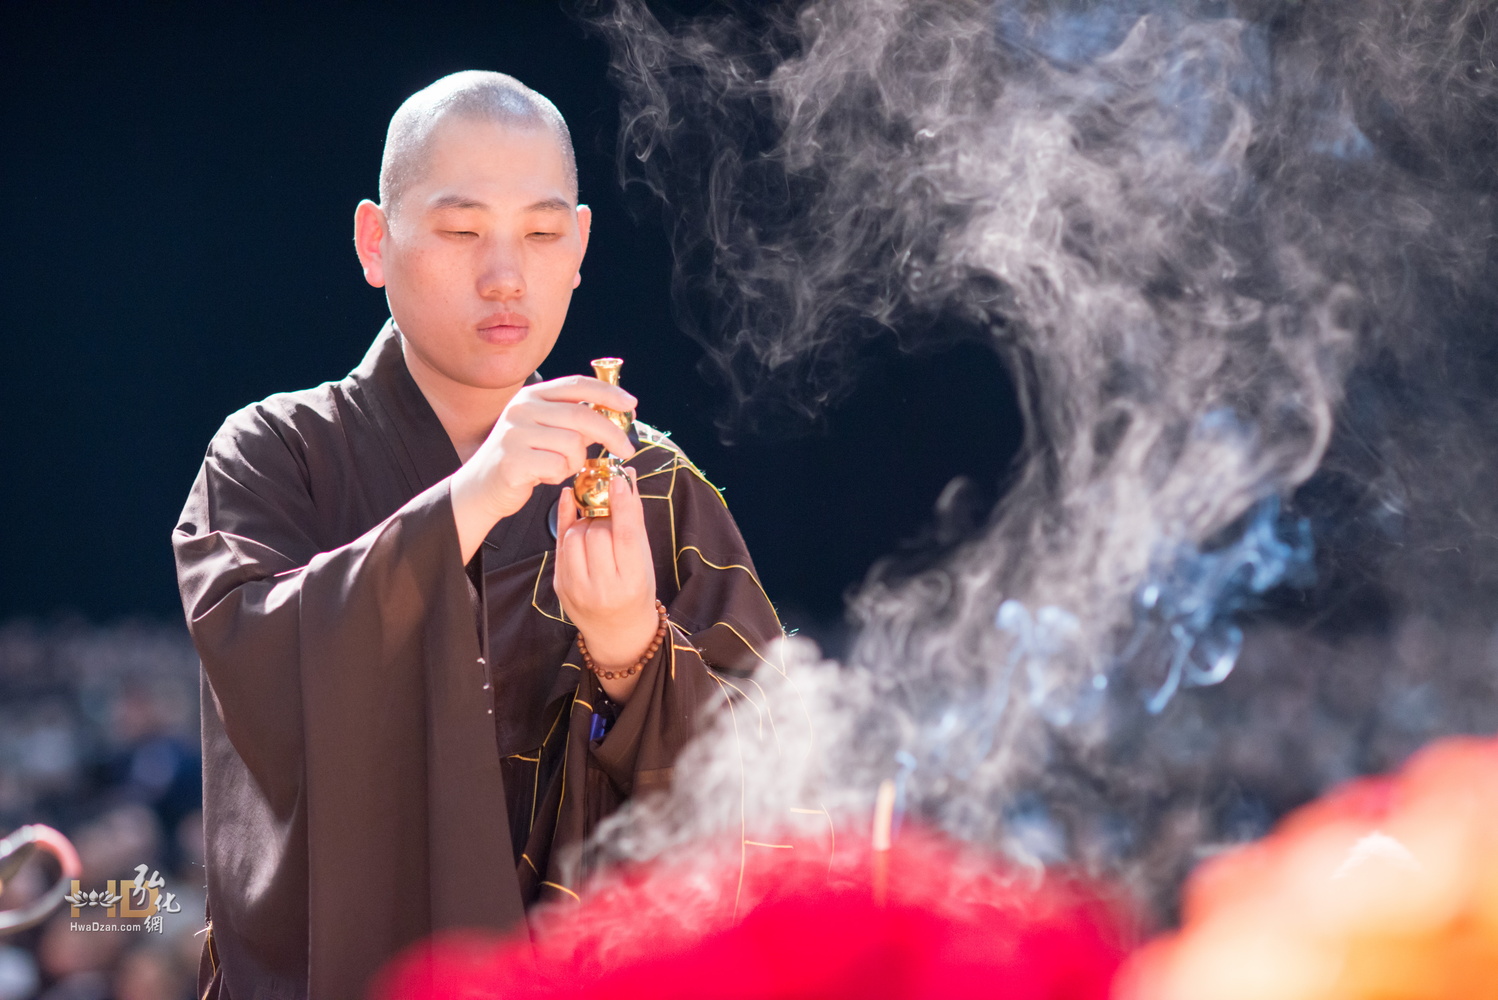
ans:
(467, 413)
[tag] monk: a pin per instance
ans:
(425, 680)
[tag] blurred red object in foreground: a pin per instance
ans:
(1386, 888)
(952, 926)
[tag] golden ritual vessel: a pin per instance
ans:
(591, 487)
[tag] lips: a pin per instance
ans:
(504, 328)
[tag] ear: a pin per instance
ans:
(584, 226)
(370, 230)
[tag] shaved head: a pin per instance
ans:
(471, 95)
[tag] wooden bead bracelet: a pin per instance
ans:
(655, 644)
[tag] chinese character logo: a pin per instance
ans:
(143, 899)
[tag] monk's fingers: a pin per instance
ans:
(590, 426)
(631, 543)
(522, 471)
(566, 514)
(584, 389)
(570, 578)
(565, 443)
(603, 571)
(630, 571)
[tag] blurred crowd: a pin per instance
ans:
(99, 738)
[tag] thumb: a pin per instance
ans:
(628, 511)
(566, 513)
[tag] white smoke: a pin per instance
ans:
(1238, 258)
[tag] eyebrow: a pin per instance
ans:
(456, 201)
(464, 201)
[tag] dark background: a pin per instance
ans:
(179, 183)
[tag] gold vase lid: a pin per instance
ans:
(607, 370)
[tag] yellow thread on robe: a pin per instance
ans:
(743, 797)
(760, 711)
(535, 799)
(536, 783)
(562, 795)
(671, 518)
(779, 670)
(564, 889)
(773, 729)
(746, 569)
(536, 590)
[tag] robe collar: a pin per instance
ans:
(423, 449)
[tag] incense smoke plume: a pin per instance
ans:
(1239, 259)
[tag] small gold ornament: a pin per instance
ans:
(591, 487)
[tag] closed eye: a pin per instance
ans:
(458, 232)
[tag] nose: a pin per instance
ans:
(501, 275)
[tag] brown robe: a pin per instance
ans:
(395, 743)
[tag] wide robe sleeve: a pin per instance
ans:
(722, 626)
(351, 785)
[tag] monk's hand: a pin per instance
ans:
(605, 580)
(541, 436)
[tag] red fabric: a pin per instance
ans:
(952, 926)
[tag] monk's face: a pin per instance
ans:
(480, 257)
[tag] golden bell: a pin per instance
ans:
(591, 486)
